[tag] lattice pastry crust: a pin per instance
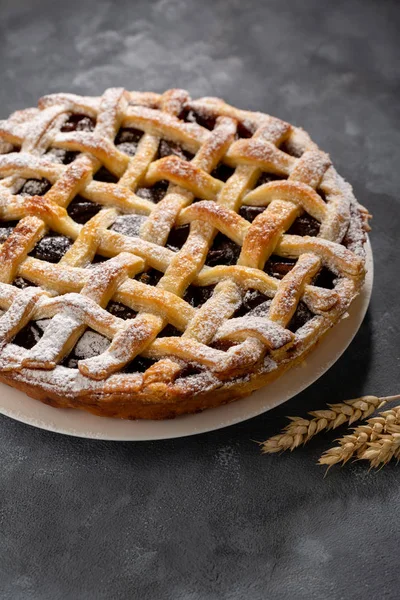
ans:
(161, 255)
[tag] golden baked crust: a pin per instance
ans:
(108, 308)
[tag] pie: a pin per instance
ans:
(161, 255)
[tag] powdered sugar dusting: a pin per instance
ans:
(128, 224)
(271, 333)
(253, 333)
(91, 344)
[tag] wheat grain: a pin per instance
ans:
(377, 441)
(349, 445)
(379, 453)
(300, 431)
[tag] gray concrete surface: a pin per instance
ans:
(209, 518)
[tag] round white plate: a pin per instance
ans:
(17, 405)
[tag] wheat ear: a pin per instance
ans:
(299, 430)
(377, 441)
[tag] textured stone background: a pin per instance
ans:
(209, 518)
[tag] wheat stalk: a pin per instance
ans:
(377, 441)
(300, 431)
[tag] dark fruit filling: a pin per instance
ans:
(222, 172)
(285, 147)
(127, 140)
(128, 224)
(300, 317)
(120, 310)
(267, 178)
(188, 370)
(8, 148)
(29, 335)
(190, 116)
(150, 277)
(78, 123)
(305, 225)
(90, 344)
(223, 252)
(169, 331)
(105, 176)
(177, 237)
(97, 259)
(61, 156)
(167, 148)
(279, 266)
(251, 212)
(196, 295)
(51, 247)
(6, 228)
(82, 210)
(138, 365)
(254, 303)
(35, 187)
(245, 130)
(223, 345)
(156, 193)
(325, 279)
(22, 283)
(74, 123)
